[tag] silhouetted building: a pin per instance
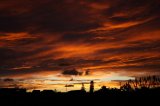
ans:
(76, 92)
(91, 86)
(36, 92)
(48, 92)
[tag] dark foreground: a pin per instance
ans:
(76, 98)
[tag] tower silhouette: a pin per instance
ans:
(91, 86)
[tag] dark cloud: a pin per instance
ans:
(137, 47)
(48, 16)
(145, 68)
(123, 11)
(8, 80)
(144, 60)
(71, 72)
(87, 72)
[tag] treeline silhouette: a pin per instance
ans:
(143, 82)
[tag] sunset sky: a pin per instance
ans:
(46, 44)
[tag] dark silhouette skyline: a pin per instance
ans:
(112, 96)
(140, 83)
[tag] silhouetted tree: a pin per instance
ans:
(126, 87)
